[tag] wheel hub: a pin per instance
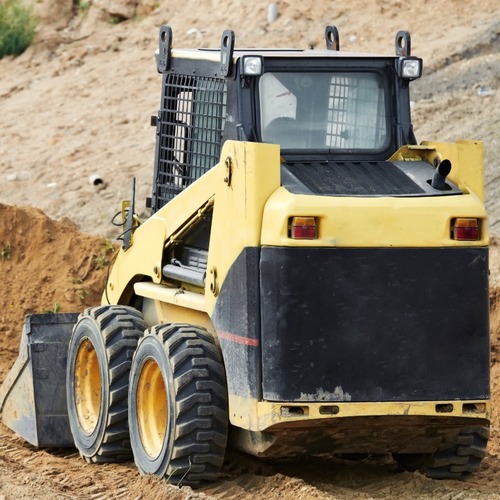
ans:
(152, 408)
(87, 387)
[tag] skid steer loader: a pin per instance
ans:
(311, 279)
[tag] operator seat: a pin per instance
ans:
(284, 131)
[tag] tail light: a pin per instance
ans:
(465, 229)
(303, 228)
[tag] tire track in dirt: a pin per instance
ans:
(30, 473)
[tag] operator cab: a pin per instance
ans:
(318, 105)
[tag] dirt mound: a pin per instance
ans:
(46, 266)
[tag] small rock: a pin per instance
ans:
(272, 12)
(484, 92)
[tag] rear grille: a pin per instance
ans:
(354, 178)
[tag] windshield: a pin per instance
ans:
(323, 110)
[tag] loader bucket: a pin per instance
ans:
(33, 396)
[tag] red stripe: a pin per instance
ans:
(238, 339)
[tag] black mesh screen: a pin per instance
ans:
(190, 133)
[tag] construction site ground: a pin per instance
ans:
(76, 106)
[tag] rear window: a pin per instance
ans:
(323, 110)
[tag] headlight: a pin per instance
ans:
(409, 67)
(251, 65)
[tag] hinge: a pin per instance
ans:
(214, 286)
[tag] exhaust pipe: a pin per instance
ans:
(439, 178)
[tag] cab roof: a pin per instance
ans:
(214, 54)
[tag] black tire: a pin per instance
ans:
(461, 457)
(457, 459)
(99, 359)
(178, 415)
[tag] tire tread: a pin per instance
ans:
(121, 328)
(201, 404)
(461, 457)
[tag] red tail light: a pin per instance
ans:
(303, 228)
(465, 229)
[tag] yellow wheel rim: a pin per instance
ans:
(152, 409)
(87, 387)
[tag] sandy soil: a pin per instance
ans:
(78, 103)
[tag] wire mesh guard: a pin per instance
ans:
(191, 124)
(356, 113)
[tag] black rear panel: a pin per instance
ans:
(374, 324)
